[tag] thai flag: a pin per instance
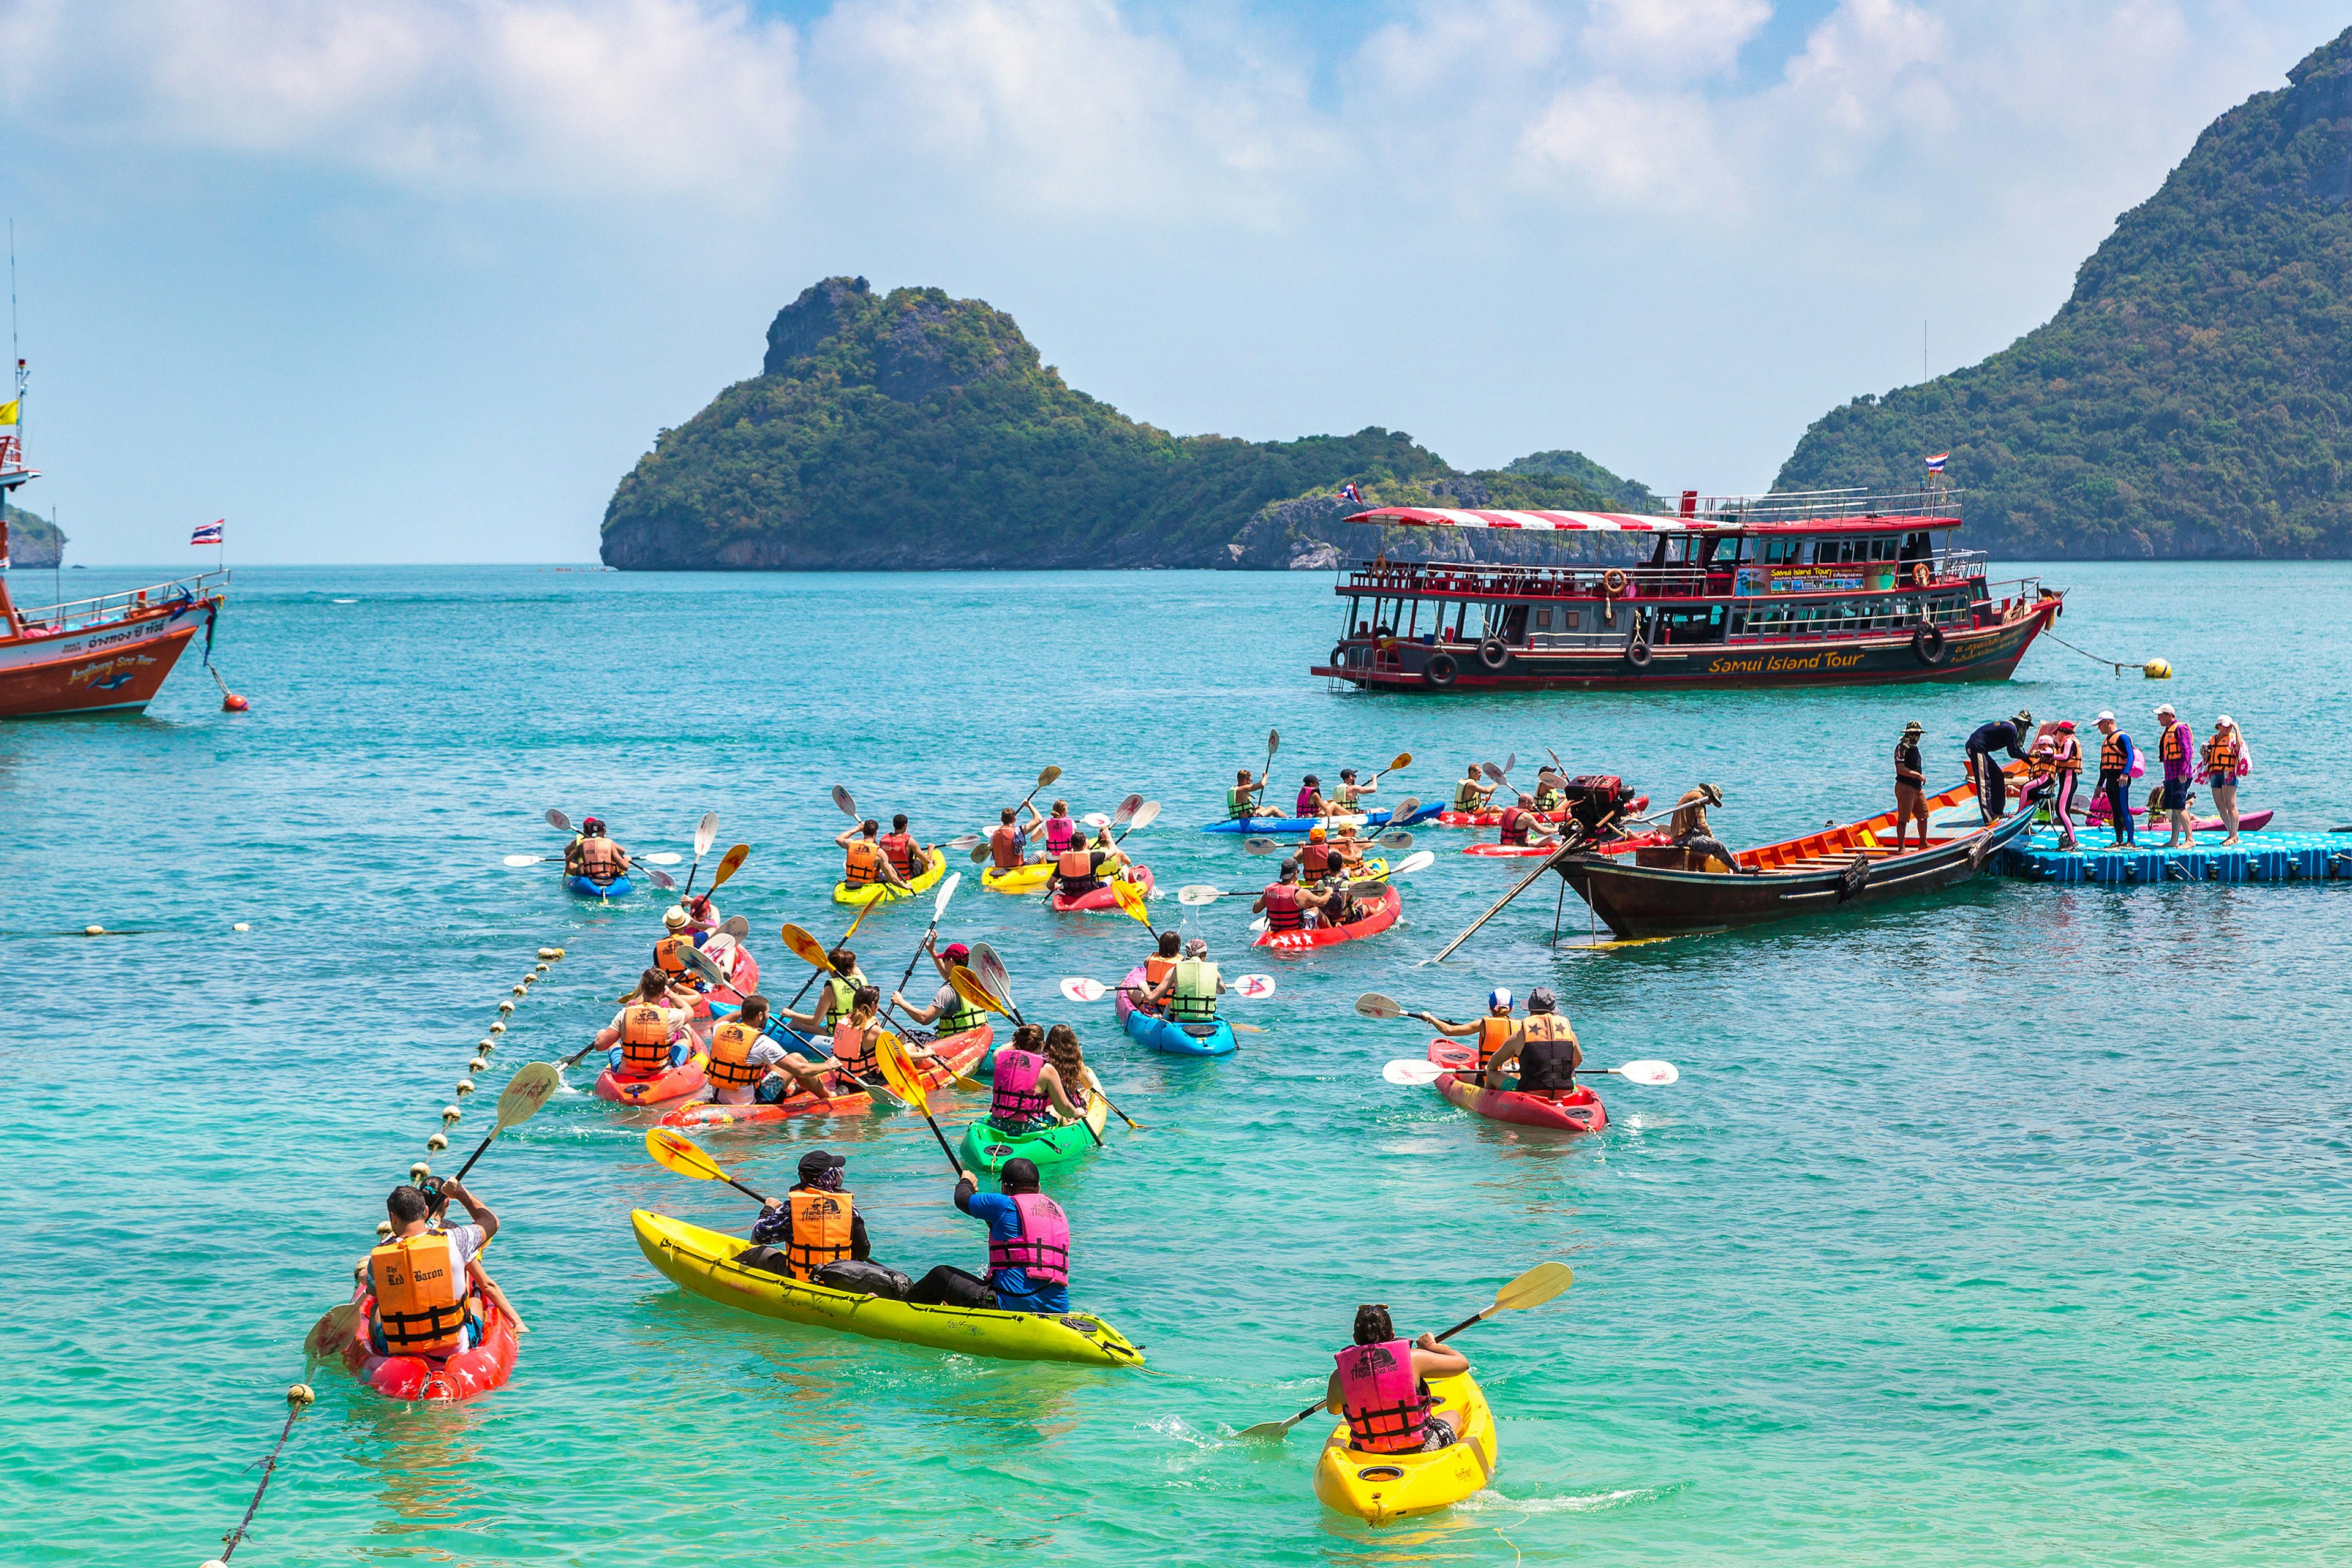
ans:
(210, 534)
(1936, 463)
(1350, 491)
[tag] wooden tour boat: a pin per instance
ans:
(1817, 588)
(1662, 894)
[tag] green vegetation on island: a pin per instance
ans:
(2194, 395)
(33, 541)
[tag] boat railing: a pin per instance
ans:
(1814, 506)
(1676, 580)
(78, 614)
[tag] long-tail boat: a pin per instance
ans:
(1822, 588)
(1662, 894)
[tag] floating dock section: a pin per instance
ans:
(2263, 857)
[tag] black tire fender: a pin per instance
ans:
(1929, 646)
(1440, 669)
(1637, 653)
(1493, 653)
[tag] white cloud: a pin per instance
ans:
(1678, 38)
(1651, 148)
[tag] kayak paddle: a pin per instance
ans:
(899, 1072)
(938, 908)
(1045, 777)
(737, 927)
(704, 832)
(530, 1088)
(1413, 1073)
(1533, 1288)
(558, 821)
(1399, 839)
(991, 972)
(1403, 759)
(675, 1152)
(1145, 816)
(847, 803)
(1129, 899)
(729, 864)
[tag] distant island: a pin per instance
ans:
(2192, 398)
(33, 541)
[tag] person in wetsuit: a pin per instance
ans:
(2001, 735)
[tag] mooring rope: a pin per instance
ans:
(2095, 658)
(298, 1398)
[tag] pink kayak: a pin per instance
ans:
(1578, 1110)
(741, 981)
(1102, 898)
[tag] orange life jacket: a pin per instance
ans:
(1314, 859)
(1075, 865)
(2222, 759)
(1156, 968)
(599, 859)
(644, 1039)
(1492, 1033)
(730, 1055)
(669, 954)
(821, 1226)
(864, 863)
(2070, 755)
(901, 847)
(849, 1049)
(2174, 749)
(2111, 754)
(1004, 847)
(420, 1293)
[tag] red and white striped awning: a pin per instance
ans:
(1544, 521)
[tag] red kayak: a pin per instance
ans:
(680, 1082)
(741, 981)
(1494, 818)
(1578, 1110)
(959, 1053)
(1383, 915)
(461, 1374)
(1615, 846)
(1102, 898)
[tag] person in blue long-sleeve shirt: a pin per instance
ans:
(2000, 735)
(1028, 1249)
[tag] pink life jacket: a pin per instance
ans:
(1016, 1100)
(1309, 798)
(1059, 832)
(1041, 1250)
(1386, 1410)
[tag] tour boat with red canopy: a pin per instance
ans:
(1817, 588)
(89, 655)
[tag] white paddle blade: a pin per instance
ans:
(1193, 895)
(1404, 808)
(1254, 986)
(663, 857)
(1649, 1072)
(1372, 1004)
(1259, 845)
(1260, 925)
(558, 821)
(947, 892)
(846, 801)
(704, 832)
(525, 859)
(1079, 988)
(1418, 860)
(1145, 816)
(1096, 819)
(1491, 771)
(661, 878)
(1412, 1072)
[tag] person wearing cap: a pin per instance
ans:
(2118, 764)
(1472, 793)
(2224, 762)
(1490, 1031)
(669, 952)
(816, 1221)
(1551, 793)
(949, 1013)
(1522, 827)
(2000, 735)
(1310, 797)
(2066, 772)
(1315, 855)
(1688, 826)
(2176, 748)
(1347, 799)
(594, 856)
(1285, 904)
(1347, 849)
(1543, 1049)
(1910, 786)
(1028, 1247)
(1190, 988)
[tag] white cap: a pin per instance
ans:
(2104, 718)
(2225, 723)
(2162, 709)
(1500, 996)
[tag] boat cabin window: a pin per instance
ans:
(1515, 624)
(1837, 551)
(1781, 551)
(1543, 620)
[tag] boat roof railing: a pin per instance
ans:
(75, 613)
(1779, 512)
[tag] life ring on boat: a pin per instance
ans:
(1919, 573)
(1440, 669)
(1612, 582)
(1637, 653)
(1493, 653)
(1927, 646)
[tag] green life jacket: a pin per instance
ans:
(1237, 802)
(958, 1017)
(1194, 999)
(1469, 796)
(1549, 800)
(839, 994)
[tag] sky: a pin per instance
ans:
(418, 280)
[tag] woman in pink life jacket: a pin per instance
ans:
(1381, 1386)
(1029, 1093)
(1061, 832)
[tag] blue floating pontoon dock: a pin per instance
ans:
(2263, 857)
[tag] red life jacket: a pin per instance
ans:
(1514, 825)
(1314, 859)
(1282, 910)
(1041, 1250)
(1386, 1410)
(901, 847)
(1016, 1100)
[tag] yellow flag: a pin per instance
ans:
(10, 410)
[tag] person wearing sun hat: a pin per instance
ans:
(2177, 749)
(2224, 762)
(1910, 786)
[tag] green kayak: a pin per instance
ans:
(986, 1147)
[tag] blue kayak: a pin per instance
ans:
(1181, 1039)
(1296, 826)
(618, 887)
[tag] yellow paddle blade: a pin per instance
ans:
(730, 863)
(968, 986)
(1534, 1288)
(675, 1152)
(1130, 901)
(806, 948)
(527, 1092)
(898, 1070)
(1403, 759)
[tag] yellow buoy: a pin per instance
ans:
(505, 1008)
(2158, 669)
(419, 1171)
(498, 1028)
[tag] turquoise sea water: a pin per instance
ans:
(2011, 1227)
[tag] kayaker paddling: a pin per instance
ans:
(816, 1223)
(419, 1276)
(677, 941)
(594, 856)
(1489, 1031)
(1521, 825)
(1347, 799)
(1241, 801)
(863, 863)
(742, 1059)
(949, 1013)
(651, 1033)
(1310, 797)
(1029, 1092)
(1008, 843)
(1315, 858)
(1380, 1386)
(1542, 1049)
(1285, 904)
(1028, 1249)
(1156, 969)
(1471, 794)
(906, 857)
(1060, 830)
(1189, 990)
(855, 1063)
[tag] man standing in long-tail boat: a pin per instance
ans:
(1910, 786)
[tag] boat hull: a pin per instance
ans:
(1987, 653)
(110, 667)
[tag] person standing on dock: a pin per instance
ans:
(2066, 765)
(2000, 735)
(1910, 786)
(2177, 751)
(2225, 763)
(2117, 760)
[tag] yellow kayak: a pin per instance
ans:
(700, 1261)
(1377, 1488)
(1020, 880)
(884, 892)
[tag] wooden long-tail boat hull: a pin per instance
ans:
(1832, 869)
